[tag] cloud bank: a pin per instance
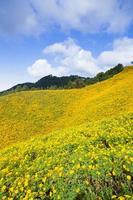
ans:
(33, 17)
(69, 58)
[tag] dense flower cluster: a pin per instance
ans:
(27, 114)
(92, 161)
(69, 144)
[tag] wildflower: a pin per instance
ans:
(16, 191)
(83, 167)
(54, 190)
(71, 171)
(78, 166)
(114, 197)
(26, 183)
(11, 189)
(129, 178)
(90, 167)
(3, 188)
(28, 191)
(77, 190)
(127, 196)
(121, 198)
(50, 194)
(60, 174)
(113, 172)
(40, 185)
(44, 179)
(21, 189)
(87, 182)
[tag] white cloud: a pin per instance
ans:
(42, 67)
(122, 52)
(69, 58)
(87, 15)
(32, 17)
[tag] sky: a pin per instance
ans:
(63, 37)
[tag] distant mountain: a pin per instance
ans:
(64, 82)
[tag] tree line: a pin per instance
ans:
(64, 82)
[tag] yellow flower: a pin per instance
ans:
(21, 189)
(19, 183)
(5, 170)
(44, 179)
(71, 171)
(60, 174)
(114, 197)
(87, 183)
(83, 167)
(26, 183)
(50, 194)
(54, 190)
(28, 191)
(129, 178)
(78, 166)
(131, 159)
(77, 190)
(127, 196)
(16, 192)
(98, 173)
(121, 198)
(113, 173)
(11, 189)
(40, 185)
(90, 167)
(3, 188)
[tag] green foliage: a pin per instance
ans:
(79, 83)
(65, 82)
(92, 161)
(105, 75)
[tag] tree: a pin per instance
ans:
(100, 76)
(18, 88)
(25, 87)
(78, 83)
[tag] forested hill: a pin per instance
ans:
(64, 82)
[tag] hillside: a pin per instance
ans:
(26, 114)
(89, 162)
(68, 144)
(64, 82)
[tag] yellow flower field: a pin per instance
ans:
(27, 114)
(68, 144)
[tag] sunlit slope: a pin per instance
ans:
(38, 112)
(89, 162)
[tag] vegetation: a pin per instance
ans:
(26, 114)
(65, 82)
(68, 144)
(92, 161)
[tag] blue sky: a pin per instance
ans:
(63, 37)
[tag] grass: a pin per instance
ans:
(68, 145)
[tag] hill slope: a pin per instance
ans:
(92, 161)
(89, 162)
(26, 114)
